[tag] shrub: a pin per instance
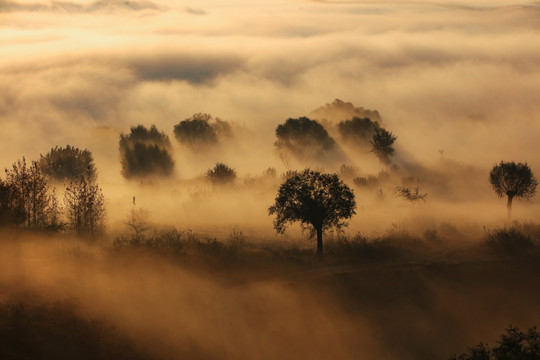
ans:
(509, 240)
(221, 174)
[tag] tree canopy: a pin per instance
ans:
(201, 130)
(382, 142)
(145, 152)
(68, 163)
(513, 181)
(304, 138)
(513, 345)
(317, 201)
(359, 131)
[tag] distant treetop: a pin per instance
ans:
(340, 110)
(145, 152)
(304, 138)
(68, 163)
(201, 130)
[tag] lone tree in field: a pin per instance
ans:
(514, 181)
(317, 201)
(383, 141)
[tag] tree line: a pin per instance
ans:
(29, 199)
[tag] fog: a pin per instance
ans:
(457, 83)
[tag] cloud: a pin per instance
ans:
(195, 11)
(75, 7)
(426, 67)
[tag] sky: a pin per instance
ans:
(460, 79)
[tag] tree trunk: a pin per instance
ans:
(319, 242)
(509, 206)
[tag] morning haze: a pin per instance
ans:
(269, 179)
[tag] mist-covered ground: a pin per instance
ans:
(457, 83)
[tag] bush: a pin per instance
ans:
(221, 174)
(509, 240)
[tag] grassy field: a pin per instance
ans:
(177, 294)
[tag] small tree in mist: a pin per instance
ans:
(221, 174)
(317, 201)
(26, 195)
(199, 132)
(304, 138)
(513, 181)
(513, 345)
(145, 152)
(68, 163)
(85, 207)
(359, 131)
(382, 145)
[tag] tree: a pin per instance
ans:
(28, 195)
(12, 211)
(85, 207)
(199, 132)
(304, 138)
(513, 345)
(68, 164)
(145, 152)
(514, 181)
(221, 174)
(195, 131)
(358, 130)
(382, 145)
(317, 201)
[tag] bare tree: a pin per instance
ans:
(30, 193)
(411, 194)
(85, 207)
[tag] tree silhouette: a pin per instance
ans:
(221, 174)
(411, 194)
(85, 207)
(145, 152)
(28, 195)
(513, 181)
(198, 132)
(12, 212)
(69, 163)
(382, 143)
(513, 345)
(317, 201)
(359, 131)
(303, 138)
